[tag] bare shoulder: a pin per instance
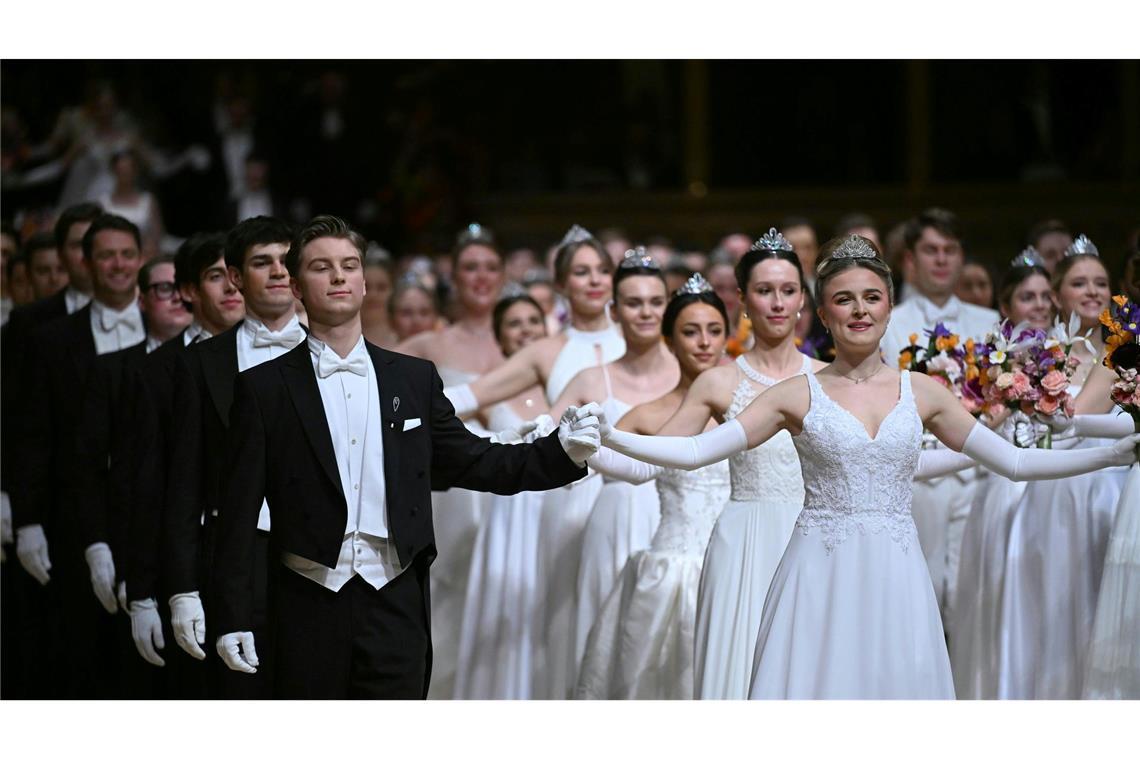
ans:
(422, 345)
(817, 365)
(648, 418)
(716, 385)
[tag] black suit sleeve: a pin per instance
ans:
(185, 493)
(36, 429)
(148, 456)
(86, 494)
(464, 460)
(243, 488)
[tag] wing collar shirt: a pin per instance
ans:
(116, 330)
(350, 395)
(74, 300)
(257, 344)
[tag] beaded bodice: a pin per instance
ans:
(691, 501)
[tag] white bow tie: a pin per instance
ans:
(947, 313)
(110, 319)
(263, 337)
(328, 363)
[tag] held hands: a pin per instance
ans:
(578, 432)
(146, 630)
(102, 568)
(1025, 430)
(188, 620)
(237, 652)
(1125, 451)
(32, 551)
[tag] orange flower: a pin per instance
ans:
(913, 338)
(970, 346)
(1120, 300)
(905, 359)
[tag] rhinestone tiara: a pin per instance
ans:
(694, 285)
(854, 247)
(772, 241)
(512, 290)
(575, 234)
(1028, 258)
(637, 258)
(475, 232)
(1082, 246)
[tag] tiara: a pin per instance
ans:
(1082, 246)
(854, 247)
(475, 232)
(637, 258)
(1028, 258)
(575, 234)
(773, 241)
(512, 290)
(694, 285)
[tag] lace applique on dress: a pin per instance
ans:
(691, 501)
(854, 482)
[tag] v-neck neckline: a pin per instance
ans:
(870, 438)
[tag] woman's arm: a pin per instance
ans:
(1095, 397)
(509, 379)
(699, 404)
(580, 390)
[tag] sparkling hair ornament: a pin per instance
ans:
(576, 234)
(854, 247)
(512, 290)
(1028, 258)
(694, 285)
(637, 258)
(772, 241)
(1082, 246)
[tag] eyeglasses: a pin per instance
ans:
(164, 291)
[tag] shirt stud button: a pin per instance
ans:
(353, 441)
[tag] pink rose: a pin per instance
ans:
(1021, 383)
(1004, 380)
(1048, 404)
(1054, 382)
(994, 410)
(1121, 395)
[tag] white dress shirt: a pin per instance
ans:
(195, 333)
(256, 344)
(115, 330)
(350, 395)
(75, 300)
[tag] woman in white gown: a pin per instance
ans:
(624, 516)
(1059, 531)
(584, 274)
(461, 352)
(498, 636)
(850, 612)
(767, 488)
(641, 645)
(1025, 296)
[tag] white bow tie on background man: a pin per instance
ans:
(328, 363)
(934, 314)
(263, 337)
(109, 319)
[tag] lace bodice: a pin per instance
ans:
(690, 503)
(854, 482)
(770, 471)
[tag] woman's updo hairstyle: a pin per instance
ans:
(1025, 265)
(474, 234)
(696, 290)
(848, 252)
(574, 239)
(771, 246)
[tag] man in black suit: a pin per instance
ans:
(215, 306)
(346, 442)
(203, 388)
(62, 354)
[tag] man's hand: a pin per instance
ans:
(32, 551)
(102, 568)
(146, 630)
(188, 620)
(237, 652)
(578, 432)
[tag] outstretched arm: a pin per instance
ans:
(1095, 397)
(699, 404)
(506, 381)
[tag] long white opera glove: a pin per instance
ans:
(1002, 457)
(188, 620)
(32, 551)
(578, 434)
(936, 463)
(620, 467)
(681, 452)
(1110, 425)
(102, 568)
(146, 630)
(237, 652)
(462, 399)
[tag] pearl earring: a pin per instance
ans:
(798, 315)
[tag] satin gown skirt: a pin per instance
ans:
(623, 521)
(940, 508)
(1114, 655)
(859, 623)
(974, 627)
(1057, 544)
(745, 548)
(500, 630)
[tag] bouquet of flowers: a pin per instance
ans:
(1122, 352)
(942, 358)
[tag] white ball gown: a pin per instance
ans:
(1114, 654)
(745, 547)
(974, 624)
(641, 646)
(851, 613)
(564, 514)
(456, 515)
(1057, 544)
(500, 630)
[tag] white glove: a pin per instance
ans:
(146, 630)
(544, 426)
(6, 535)
(682, 452)
(188, 620)
(122, 595)
(102, 568)
(237, 652)
(515, 434)
(1110, 425)
(998, 455)
(620, 467)
(32, 551)
(1024, 431)
(937, 463)
(462, 399)
(578, 433)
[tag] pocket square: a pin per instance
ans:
(411, 424)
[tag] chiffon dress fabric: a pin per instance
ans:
(851, 613)
(641, 645)
(743, 551)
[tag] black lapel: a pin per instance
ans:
(391, 388)
(297, 370)
(220, 367)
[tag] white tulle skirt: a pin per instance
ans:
(976, 616)
(1114, 655)
(743, 552)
